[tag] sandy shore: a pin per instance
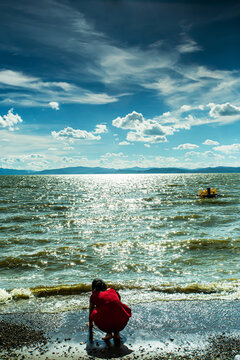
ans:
(165, 330)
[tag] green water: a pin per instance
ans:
(148, 235)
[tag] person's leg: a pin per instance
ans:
(116, 335)
(108, 336)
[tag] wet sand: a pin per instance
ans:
(163, 330)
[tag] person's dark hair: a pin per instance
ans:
(99, 285)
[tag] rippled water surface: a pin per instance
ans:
(148, 235)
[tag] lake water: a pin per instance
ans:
(149, 236)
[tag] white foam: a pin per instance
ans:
(4, 296)
(21, 293)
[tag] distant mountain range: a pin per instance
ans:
(15, 172)
(134, 170)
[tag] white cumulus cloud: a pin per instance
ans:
(10, 120)
(54, 105)
(130, 121)
(76, 134)
(212, 155)
(100, 129)
(113, 154)
(186, 108)
(223, 109)
(136, 136)
(207, 154)
(26, 160)
(210, 142)
(124, 143)
(228, 149)
(143, 130)
(33, 156)
(186, 147)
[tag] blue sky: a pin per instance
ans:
(119, 83)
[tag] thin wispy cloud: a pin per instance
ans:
(99, 59)
(188, 45)
(25, 90)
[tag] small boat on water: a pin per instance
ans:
(208, 193)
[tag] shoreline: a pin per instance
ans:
(163, 330)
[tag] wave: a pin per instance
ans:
(30, 261)
(64, 290)
(149, 199)
(175, 240)
(37, 259)
(184, 217)
(13, 263)
(21, 218)
(77, 289)
(178, 217)
(60, 207)
(4, 296)
(81, 289)
(193, 288)
(196, 244)
(15, 294)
